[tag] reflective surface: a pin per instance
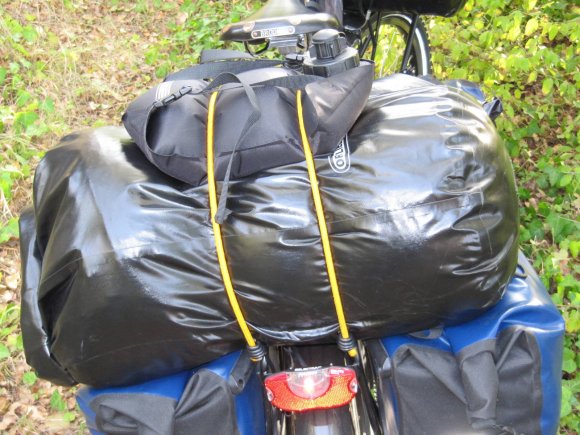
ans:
(121, 281)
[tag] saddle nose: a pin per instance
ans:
(279, 18)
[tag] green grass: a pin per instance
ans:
(58, 75)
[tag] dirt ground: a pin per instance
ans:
(93, 66)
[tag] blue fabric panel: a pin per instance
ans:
(551, 379)
(393, 343)
(525, 303)
(250, 408)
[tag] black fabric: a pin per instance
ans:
(36, 340)
(429, 393)
(520, 386)
(494, 108)
(124, 284)
(469, 87)
(481, 383)
(206, 406)
(255, 114)
(491, 387)
(131, 414)
(172, 136)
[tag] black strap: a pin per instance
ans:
(222, 211)
(213, 69)
(290, 82)
(214, 55)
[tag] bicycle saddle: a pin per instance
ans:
(279, 18)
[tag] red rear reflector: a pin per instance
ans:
(311, 389)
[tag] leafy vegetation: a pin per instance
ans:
(58, 75)
(526, 52)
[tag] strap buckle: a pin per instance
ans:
(173, 97)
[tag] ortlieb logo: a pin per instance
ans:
(340, 159)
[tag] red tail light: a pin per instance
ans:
(311, 389)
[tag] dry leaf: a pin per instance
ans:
(12, 281)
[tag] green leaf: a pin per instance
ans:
(547, 85)
(569, 361)
(574, 248)
(554, 176)
(573, 321)
(553, 31)
(567, 285)
(23, 98)
(4, 352)
(29, 33)
(9, 230)
(565, 180)
(29, 378)
(536, 229)
(530, 4)
(47, 106)
(566, 408)
(531, 26)
(23, 120)
(57, 402)
(514, 32)
(162, 71)
(561, 227)
(19, 343)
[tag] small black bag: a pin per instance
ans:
(256, 125)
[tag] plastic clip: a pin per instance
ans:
(173, 97)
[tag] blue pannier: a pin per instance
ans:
(501, 371)
(224, 396)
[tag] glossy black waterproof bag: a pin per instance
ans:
(121, 279)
